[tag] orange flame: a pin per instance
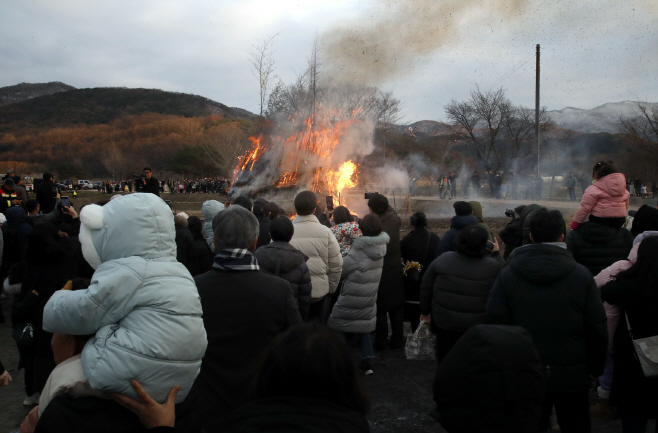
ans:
(308, 157)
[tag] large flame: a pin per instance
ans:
(308, 158)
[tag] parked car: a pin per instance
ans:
(97, 185)
(85, 184)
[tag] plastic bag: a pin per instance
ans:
(421, 344)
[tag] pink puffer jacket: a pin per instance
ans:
(606, 198)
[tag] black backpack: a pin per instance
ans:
(491, 381)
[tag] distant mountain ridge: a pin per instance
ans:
(24, 91)
(604, 118)
(103, 105)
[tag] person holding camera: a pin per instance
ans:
(149, 183)
(512, 234)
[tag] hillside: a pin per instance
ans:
(604, 118)
(104, 105)
(23, 91)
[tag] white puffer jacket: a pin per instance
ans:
(356, 308)
(318, 243)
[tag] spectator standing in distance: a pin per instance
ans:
(10, 174)
(512, 234)
(453, 184)
(556, 300)
(466, 186)
(202, 256)
(571, 186)
(584, 183)
(282, 260)
(412, 186)
(185, 252)
(47, 193)
(149, 183)
(390, 295)
(20, 190)
(475, 180)
(538, 184)
(637, 187)
(325, 262)
(8, 195)
(243, 310)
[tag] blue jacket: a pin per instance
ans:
(142, 304)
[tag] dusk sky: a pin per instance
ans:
(426, 52)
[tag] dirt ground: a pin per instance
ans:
(400, 389)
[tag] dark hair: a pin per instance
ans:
(546, 225)
(44, 246)
(462, 208)
(260, 207)
(195, 226)
(281, 229)
(147, 168)
(31, 205)
(603, 168)
(305, 203)
(418, 220)
(16, 179)
(370, 225)
(243, 201)
(645, 267)
(378, 203)
(47, 176)
(274, 210)
(310, 361)
(472, 241)
(342, 215)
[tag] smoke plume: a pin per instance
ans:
(394, 38)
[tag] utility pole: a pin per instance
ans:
(537, 109)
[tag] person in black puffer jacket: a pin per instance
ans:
(455, 289)
(202, 256)
(184, 242)
(512, 234)
(600, 242)
(556, 300)
(281, 259)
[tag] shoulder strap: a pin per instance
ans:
(628, 324)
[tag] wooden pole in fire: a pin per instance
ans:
(537, 109)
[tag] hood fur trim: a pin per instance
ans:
(87, 245)
(92, 217)
(370, 241)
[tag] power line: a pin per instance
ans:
(506, 75)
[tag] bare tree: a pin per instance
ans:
(499, 131)
(262, 66)
(642, 132)
(226, 144)
(114, 161)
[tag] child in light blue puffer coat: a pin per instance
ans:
(142, 304)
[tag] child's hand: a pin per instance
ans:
(151, 414)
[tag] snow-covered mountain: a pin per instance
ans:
(604, 118)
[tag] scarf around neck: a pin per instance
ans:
(237, 259)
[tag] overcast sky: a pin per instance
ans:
(426, 51)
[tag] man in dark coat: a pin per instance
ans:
(571, 186)
(282, 260)
(637, 186)
(584, 183)
(46, 193)
(556, 300)
(390, 295)
(243, 310)
(475, 180)
(149, 183)
(600, 242)
(184, 242)
(463, 217)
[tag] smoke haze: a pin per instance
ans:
(394, 38)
